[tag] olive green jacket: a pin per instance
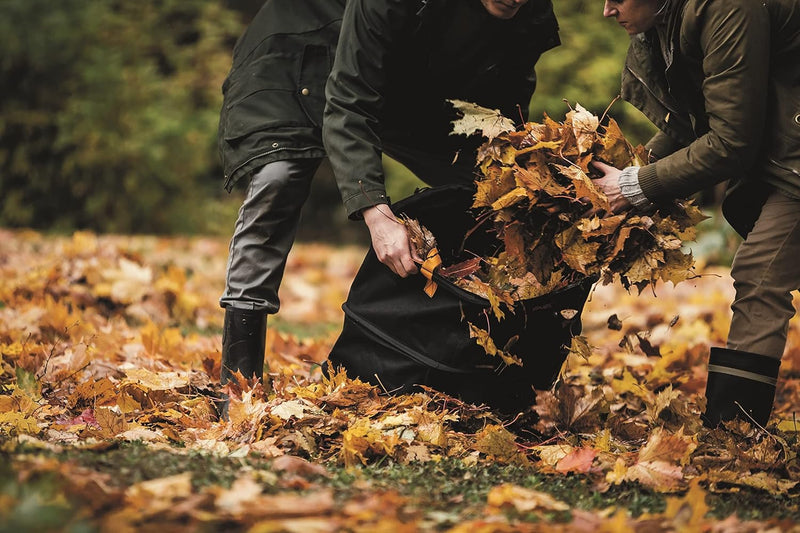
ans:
(726, 98)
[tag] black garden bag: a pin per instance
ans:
(396, 337)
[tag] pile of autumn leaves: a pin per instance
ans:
(104, 340)
(534, 188)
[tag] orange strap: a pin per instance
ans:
(432, 262)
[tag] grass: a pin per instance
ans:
(444, 493)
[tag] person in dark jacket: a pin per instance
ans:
(721, 80)
(396, 63)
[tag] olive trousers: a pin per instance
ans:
(766, 269)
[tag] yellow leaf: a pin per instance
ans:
(760, 480)
(688, 513)
(579, 346)
(523, 500)
(618, 474)
(787, 426)
(18, 423)
(158, 495)
(510, 198)
(628, 383)
(499, 444)
(615, 150)
(156, 380)
(662, 400)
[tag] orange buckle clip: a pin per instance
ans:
(432, 262)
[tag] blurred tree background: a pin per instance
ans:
(109, 112)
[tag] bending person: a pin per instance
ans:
(396, 63)
(721, 80)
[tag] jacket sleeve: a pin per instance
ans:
(734, 38)
(354, 99)
(661, 145)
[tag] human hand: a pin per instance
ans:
(609, 184)
(390, 240)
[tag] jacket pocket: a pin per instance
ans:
(263, 96)
(315, 66)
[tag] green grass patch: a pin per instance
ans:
(445, 492)
(314, 330)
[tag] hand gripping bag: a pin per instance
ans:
(397, 337)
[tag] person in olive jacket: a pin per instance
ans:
(396, 63)
(721, 80)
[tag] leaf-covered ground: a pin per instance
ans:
(110, 357)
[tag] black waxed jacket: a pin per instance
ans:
(274, 95)
(396, 63)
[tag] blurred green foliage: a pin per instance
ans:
(109, 112)
(586, 69)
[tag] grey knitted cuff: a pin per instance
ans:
(629, 186)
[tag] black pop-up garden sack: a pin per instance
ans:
(396, 337)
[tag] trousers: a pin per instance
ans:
(765, 271)
(268, 219)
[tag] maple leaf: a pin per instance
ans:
(614, 149)
(496, 150)
(537, 177)
(584, 188)
(655, 465)
(19, 423)
(664, 446)
(584, 127)
(577, 253)
(760, 480)
(500, 181)
(662, 401)
(514, 242)
(500, 445)
(678, 266)
(608, 226)
(476, 119)
(419, 236)
(362, 440)
(658, 475)
(580, 347)
(570, 407)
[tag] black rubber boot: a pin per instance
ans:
(740, 385)
(243, 344)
